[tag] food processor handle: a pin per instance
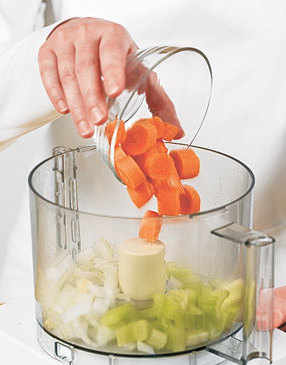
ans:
(257, 256)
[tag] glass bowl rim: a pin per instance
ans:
(204, 212)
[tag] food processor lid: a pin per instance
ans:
(174, 83)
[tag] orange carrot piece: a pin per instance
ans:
(159, 166)
(119, 153)
(159, 125)
(187, 162)
(129, 172)
(121, 134)
(139, 138)
(150, 227)
(142, 194)
(159, 147)
(170, 131)
(168, 202)
(190, 202)
(173, 182)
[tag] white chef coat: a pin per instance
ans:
(246, 44)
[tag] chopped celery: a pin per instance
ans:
(157, 339)
(141, 329)
(194, 318)
(184, 275)
(171, 308)
(134, 331)
(118, 315)
(147, 313)
(185, 297)
(196, 338)
(158, 302)
(176, 339)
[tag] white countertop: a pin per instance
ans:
(18, 342)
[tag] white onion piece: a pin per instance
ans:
(143, 347)
(82, 306)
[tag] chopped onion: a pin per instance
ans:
(143, 347)
(82, 306)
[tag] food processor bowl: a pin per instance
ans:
(213, 266)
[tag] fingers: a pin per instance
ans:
(68, 78)
(160, 104)
(50, 77)
(113, 51)
(89, 79)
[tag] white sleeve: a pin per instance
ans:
(24, 103)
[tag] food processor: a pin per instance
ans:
(102, 295)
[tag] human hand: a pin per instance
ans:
(81, 63)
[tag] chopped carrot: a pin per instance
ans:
(168, 202)
(121, 134)
(158, 147)
(150, 226)
(170, 131)
(173, 182)
(142, 194)
(187, 162)
(139, 138)
(190, 202)
(159, 166)
(119, 153)
(129, 172)
(159, 125)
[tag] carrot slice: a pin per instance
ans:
(139, 138)
(190, 202)
(121, 134)
(159, 147)
(170, 131)
(119, 153)
(150, 228)
(187, 162)
(158, 124)
(159, 166)
(129, 172)
(168, 202)
(173, 182)
(142, 194)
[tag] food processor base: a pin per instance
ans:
(68, 354)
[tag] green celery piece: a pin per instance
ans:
(148, 313)
(158, 303)
(229, 316)
(157, 339)
(184, 275)
(171, 308)
(185, 297)
(194, 318)
(176, 339)
(210, 302)
(235, 289)
(141, 329)
(118, 316)
(125, 335)
(197, 338)
(132, 332)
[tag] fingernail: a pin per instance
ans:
(84, 128)
(62, 106)
(111, 88)
(96, 114)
